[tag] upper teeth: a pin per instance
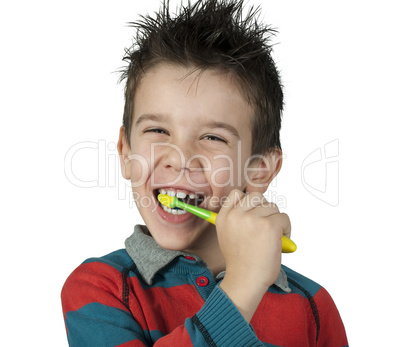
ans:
(180, 195)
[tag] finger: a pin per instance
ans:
(251, 201)
(230, 201)
(282, 221)
(257, 201)
(233, 198)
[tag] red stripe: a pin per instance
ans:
(165, 308)
(155, 308)
(284, 319)
(332, 329)
(92, 282)
(179, 337)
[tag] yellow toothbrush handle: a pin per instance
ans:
(288, 246)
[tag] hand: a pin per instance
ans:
(249, 230)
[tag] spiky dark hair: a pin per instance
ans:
(212, 34)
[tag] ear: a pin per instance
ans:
(262, 170)
(124, 151)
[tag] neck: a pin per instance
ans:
(210, 252)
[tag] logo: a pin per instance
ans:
(320, 173)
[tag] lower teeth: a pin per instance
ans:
(174, 211)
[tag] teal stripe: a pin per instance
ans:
(163, 279)
(219, 315)
(155, 335)
(100, 325)
(118, 259)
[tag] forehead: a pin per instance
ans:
(189, 93)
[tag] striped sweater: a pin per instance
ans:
(144, 295)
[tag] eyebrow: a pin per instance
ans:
(150, 116)
(209, 124)
(221, 125)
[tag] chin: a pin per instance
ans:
(173, 242)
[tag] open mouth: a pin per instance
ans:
(188, 198)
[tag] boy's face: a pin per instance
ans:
(191, 133)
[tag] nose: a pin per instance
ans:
(184, 157)
(173, 157)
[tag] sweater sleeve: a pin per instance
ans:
(96, 315)
(220, 323)
(332, 331)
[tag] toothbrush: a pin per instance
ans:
(288, 246)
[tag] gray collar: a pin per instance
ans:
(150, 258)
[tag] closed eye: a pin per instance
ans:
(156, 130)
(214, 138)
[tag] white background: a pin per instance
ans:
(340, 63)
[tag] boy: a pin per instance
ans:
(201, 121)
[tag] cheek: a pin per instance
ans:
(224, 172)
(140, 167)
